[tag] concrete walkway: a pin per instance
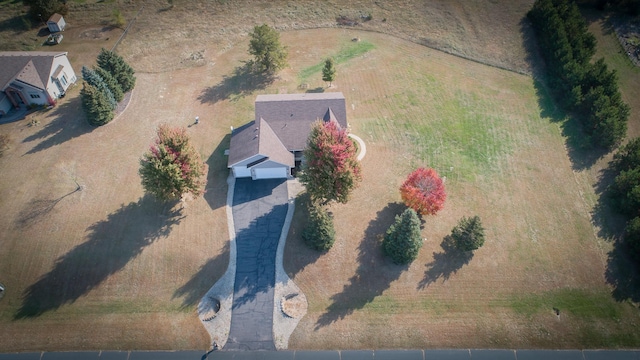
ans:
(363, 147)
(15, 115)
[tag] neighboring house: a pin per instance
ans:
(33, 77)
(56, 23)
(271, 145)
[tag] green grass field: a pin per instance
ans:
(492, 133)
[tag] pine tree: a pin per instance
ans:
(96, 105)
(111, 82)
(468, 235)
(329, 71)
(403, 241)
(320, 233)
(92, 78)
(116, 66)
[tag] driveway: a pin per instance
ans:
(259, 211)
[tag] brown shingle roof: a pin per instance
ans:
(55, 18)
(291, 115)
(257, 138)
(282, 125)
(31, 67)
(271, 146)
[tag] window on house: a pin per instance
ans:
(35, 96)
(63, 80)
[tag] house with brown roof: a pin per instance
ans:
(33, 77)
(271, 145)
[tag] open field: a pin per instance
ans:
(106, 268)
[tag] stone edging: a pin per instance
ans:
(222, 291)
(284, 325)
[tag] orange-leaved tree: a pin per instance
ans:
(330, 170)
(172, 167)
(423, 191)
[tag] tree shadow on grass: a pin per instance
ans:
(69, 123)
(37, 209)
(195, 289)
(374, 274)
(111, 244)
(445, 263)
(622, 272)
(297, 254)
(242, 82)
(215, 192)
(581, 151)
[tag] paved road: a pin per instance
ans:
(259, 211)
(463, 354)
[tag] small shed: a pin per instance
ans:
(56, 23)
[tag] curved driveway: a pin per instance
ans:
(259, 211)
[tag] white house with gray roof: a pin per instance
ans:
(271, 145)
(33, 77)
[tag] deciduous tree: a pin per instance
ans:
(270, 56)
(402, 241)
(41, 10)
(330, 170)
(468, 235)
(329, 71)
(424, 191)
(172, 167)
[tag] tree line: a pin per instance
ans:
(587, 89)
(625, 191)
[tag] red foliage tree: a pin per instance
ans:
(330, 171)
(423, 191)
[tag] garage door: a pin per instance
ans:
(241, 171)
(269, 173)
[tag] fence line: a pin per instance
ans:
(127, 29)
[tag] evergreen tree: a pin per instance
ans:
(270, 56)
(320, 233)
(329, 71)
(92, 78)
(171, 167)
(111, 82)
(628, 157)
(96, 105)
(626, 192)
(632, 236)
(468, 235)
(402, 241)
(116, 66)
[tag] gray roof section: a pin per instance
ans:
(257, 138)
(291, 115)
(271, 146)
(244, 143)
(31, 67)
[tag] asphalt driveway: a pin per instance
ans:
(259, 210)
